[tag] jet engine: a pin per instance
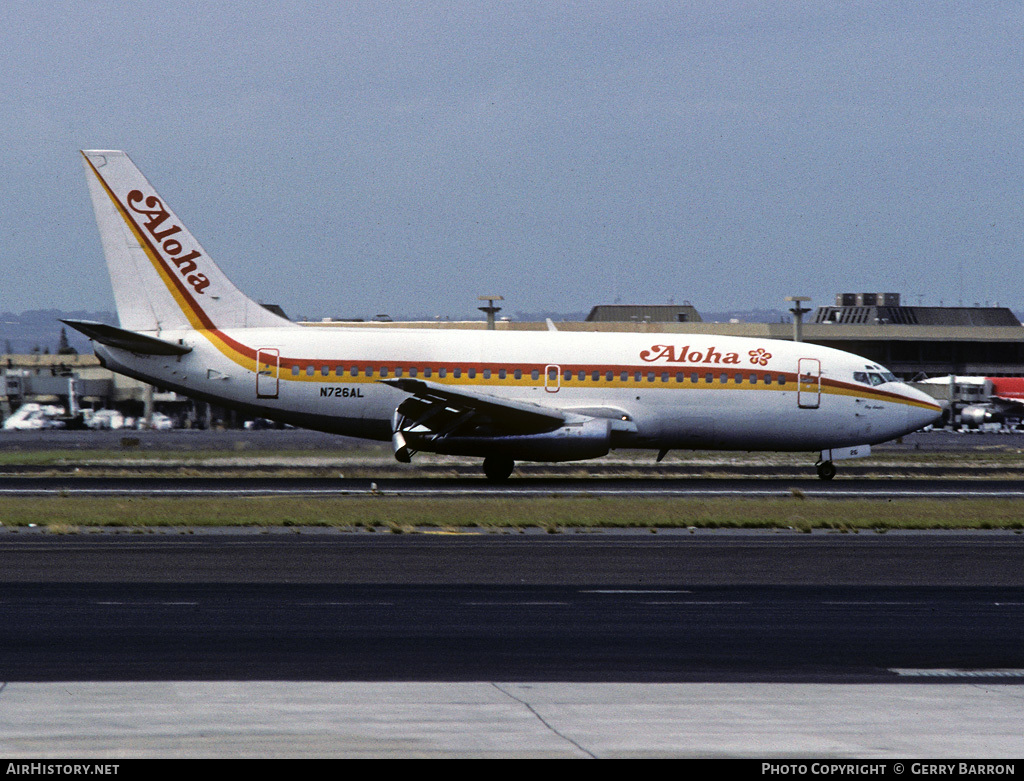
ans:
(572, 442)
(974, 415)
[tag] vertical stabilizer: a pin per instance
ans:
(162, 277)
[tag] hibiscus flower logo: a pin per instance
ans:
(760, 356)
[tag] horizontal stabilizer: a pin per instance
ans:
(112, 336)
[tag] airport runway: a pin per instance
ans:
(612, 645)
(582, 559)
(569, 486)
(428, 633)
(615, 607)
(325, 643)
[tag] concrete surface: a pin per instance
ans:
(286, 720)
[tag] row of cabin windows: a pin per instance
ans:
(384, 371)
(737, 378)
(693, 377)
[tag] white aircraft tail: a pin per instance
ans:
(162, 277)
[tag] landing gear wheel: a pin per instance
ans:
(826, 470)
(498, 468)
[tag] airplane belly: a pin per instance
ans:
(744, 420)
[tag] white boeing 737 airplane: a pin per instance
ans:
(500, 395)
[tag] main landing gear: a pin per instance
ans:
(826, 470)
(498, 468)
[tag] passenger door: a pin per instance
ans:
(268, 371)
(808, 383)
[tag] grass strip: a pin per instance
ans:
(405, 515)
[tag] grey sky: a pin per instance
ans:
(345, 159)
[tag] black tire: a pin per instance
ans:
(826, 470)
(498, 468)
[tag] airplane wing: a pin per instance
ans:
(443, 411)
(437, 417)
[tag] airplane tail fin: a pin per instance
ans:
(162, 278)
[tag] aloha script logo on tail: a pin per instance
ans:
(156, 213)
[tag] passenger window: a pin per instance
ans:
(442, 372)
(471, 373)
(737, 378)
(535, 374)
(295, 371)
(426, 372)
(595, 375)
(309, 371)
(354, 371)
(664, 376)
(456, 373)
(609, 376)
(518, 374)
(369, 371)
(709, 378)
(412, 372)
(383, 371)
(650, 376)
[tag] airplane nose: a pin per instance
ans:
(920, 416)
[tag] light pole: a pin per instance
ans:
(798, 312)
(490, 309)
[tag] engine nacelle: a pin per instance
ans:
(572, 442)
(976, 414)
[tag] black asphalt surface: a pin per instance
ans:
(626, 607)
(533, 633)
(620, 607)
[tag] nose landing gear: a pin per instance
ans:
(826, 470)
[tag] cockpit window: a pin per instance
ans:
(875, 376)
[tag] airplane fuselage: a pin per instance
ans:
(677, 391)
